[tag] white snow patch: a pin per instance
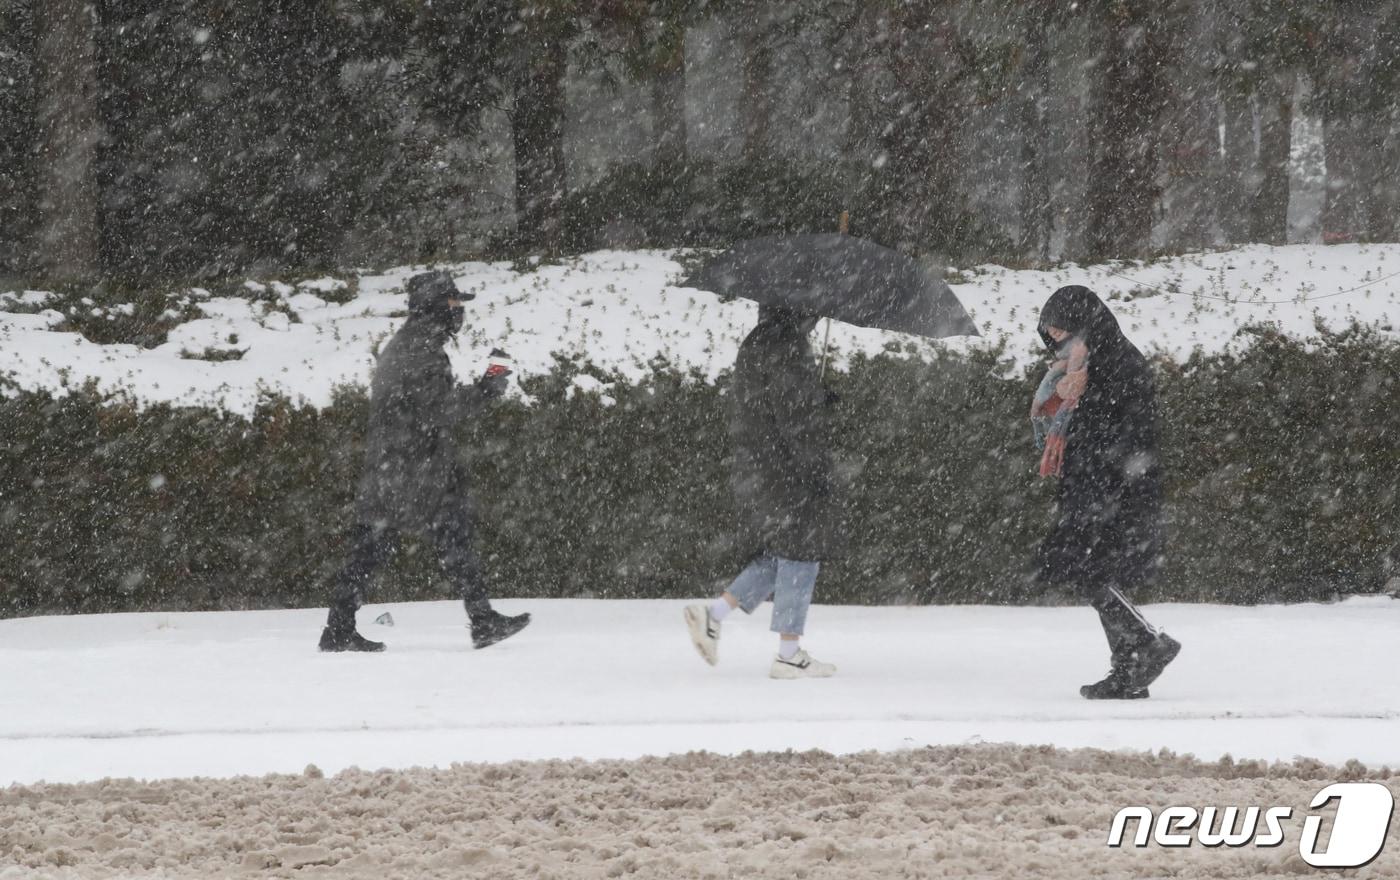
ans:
(26, 297)
(324, 285)
(586, 384)
(622, 311)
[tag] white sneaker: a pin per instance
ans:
(801, 665)
(704, 632)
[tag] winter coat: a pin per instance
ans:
(412, 474)
(1109, 500)
(780, 428)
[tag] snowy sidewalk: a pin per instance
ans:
(160, 695)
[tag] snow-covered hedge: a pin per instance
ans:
(1282, 462)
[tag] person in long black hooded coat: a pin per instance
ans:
(1107, 537)
(412, 478)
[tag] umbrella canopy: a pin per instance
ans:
(838, 276)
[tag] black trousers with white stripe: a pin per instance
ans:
(372, 548)
(1123, 623)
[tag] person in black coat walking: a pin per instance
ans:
(783, 489)
(412, 478)
(1107, 537)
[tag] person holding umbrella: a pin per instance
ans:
(1107, 536)
(782, 477)
(782, 484)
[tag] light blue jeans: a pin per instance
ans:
(788, 581)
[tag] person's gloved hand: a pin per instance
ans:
(493, 384)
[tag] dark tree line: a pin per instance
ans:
(192, 138)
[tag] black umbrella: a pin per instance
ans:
(841, 277)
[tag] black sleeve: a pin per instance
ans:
(443, 403)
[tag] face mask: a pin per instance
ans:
(455, 318)
(1055, 346)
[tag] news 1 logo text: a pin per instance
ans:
(1357, 836)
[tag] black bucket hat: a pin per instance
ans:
(428, 292)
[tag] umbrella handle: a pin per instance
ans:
(826, 342)
(843, 226)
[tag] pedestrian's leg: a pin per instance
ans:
(1123, 624)
(795, 582)
(456, 547)
(1140, 652)
(370, 548)
(753, 585)
(749, 590)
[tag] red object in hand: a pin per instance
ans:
(1053, 461)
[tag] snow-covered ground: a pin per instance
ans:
(622, 311)
(218, 694)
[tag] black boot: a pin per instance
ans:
(490, 627)
(1116, 686)
(1150, 658)
(1128, 635)
(340, 635)
(1134, 669)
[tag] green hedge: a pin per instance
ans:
(1281, 462)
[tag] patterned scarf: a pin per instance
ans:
(1055, 400)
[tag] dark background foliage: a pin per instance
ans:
(177, 139)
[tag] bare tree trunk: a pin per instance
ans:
(860, 71)
(1269, 205)
(1037, 213)
(537, 129)
(1189, 134)
(756, 100)
(1345, 101)
(18, 137)
(1236, 170)
(1078, 42)
(1192, 141)
(68, 134)
(1384, 220)
(668, 100)
(1341, 210)
(1383, 214)
(922, 135)
(1379, 142)
(861, 67)
(1123, 191)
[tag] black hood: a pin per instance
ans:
(428, 296)
(1079, 311)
